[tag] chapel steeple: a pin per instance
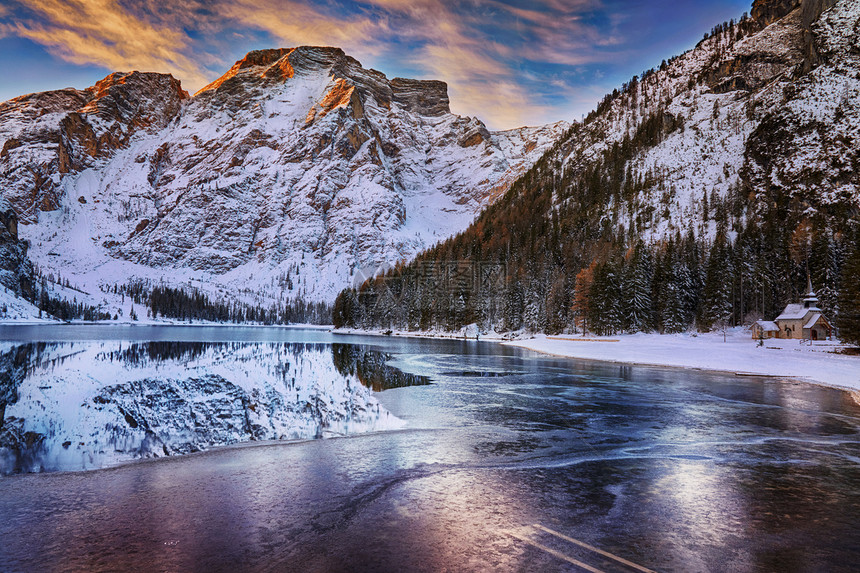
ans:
(809, 299)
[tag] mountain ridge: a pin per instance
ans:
(294, 172)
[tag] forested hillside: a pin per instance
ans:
(700, 193)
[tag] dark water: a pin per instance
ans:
(505, 452)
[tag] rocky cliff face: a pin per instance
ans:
(290, 175)
(16, 270)
(806, 147)
(52, 134)
(766, 12)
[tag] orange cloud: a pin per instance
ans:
(298, 23)
(103, 33)
(476, 69)
(437, 39)
(479, 70)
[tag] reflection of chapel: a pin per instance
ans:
(804, 320)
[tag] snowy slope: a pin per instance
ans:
(14, 309)
(741, 113)
(295, 172)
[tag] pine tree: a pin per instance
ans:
(345, 309)
(825, 261)
(639, 273)
(848, 319)
(581, 303)
(717, 293)
(671, 282)
(605, 299)
(514, 306)
(556, 306)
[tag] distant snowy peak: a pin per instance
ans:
(263, 69)
(286, 177)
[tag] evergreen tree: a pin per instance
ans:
(671, 279)
(556, 306)
(689, 280)
(581, 303)
(848, 319)
(825, 261)
(345, 309)
(606, 313)
(636, 290)
(717, 291)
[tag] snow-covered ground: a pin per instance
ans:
(739, 353)
(820, 363)
(16, 310)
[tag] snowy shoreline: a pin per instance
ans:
(740, 355)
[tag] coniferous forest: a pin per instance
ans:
(568, 266)
(161, 301)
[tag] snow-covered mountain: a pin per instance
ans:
(765, 106)
(291, 175)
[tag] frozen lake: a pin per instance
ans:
(443, 455)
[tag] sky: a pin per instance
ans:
(510, 63)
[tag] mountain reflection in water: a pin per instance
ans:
(84, 405)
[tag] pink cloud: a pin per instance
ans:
(442, 40)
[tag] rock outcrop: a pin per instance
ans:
(806, 148)
(766, 12)
(16, 270)
(51, 134)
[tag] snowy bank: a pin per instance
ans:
(466, 332)
(817, 363)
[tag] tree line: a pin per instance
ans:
(573, 258)
(671, 286)
(162, 301)
(169, 302)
